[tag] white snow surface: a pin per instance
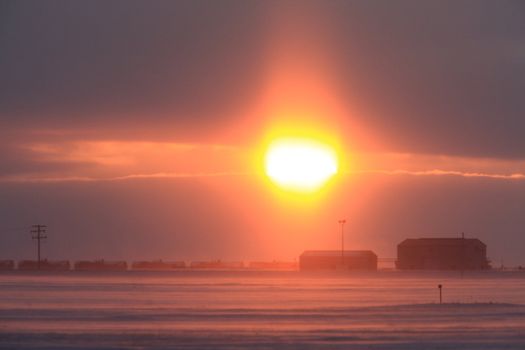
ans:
(262, 310)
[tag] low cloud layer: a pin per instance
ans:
(47, 161)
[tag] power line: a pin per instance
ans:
(38, 234)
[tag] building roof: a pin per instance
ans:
(336, 253)
(440, 241)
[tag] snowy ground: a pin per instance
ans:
(262, 310)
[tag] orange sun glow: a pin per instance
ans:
(300, 165)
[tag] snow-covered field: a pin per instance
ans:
(277, 310)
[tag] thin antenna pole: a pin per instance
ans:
(38, 234)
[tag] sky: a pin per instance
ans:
(134, 129)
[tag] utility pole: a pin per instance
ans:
(38, 234)
(342, 223)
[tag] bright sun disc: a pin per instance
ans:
(301, 165)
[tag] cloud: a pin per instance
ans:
(420, 77)
(434, 172)
(440, 77)
(112, 160)
(51, 179)
(438, 172)
(75, 65)
(75, 161)
(436, 165)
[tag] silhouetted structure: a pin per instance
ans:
(101, 265)
(272, 265)
(442, 254)
(46, 265)
(331, 260)
(7, 265)
(158, 265)
(38, 234)
(217, 264)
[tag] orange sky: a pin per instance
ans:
(164, 140)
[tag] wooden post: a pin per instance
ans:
(440, 293)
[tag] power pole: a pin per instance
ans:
(38, 234)
(342, 223)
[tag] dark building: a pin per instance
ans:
(158, 265)
(217, 264)
(312, 260)
(101, 265)
(273, 265)
(6, 265)
(46, 265)
(442, 254)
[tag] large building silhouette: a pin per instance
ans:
(442, 254)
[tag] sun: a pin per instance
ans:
(300, 164)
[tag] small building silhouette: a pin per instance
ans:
(312, 260)
(442, 254)
(158, 265)
(7, 265)
(100, 265)
(217, 264)
(45, 265)
(273, 265)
